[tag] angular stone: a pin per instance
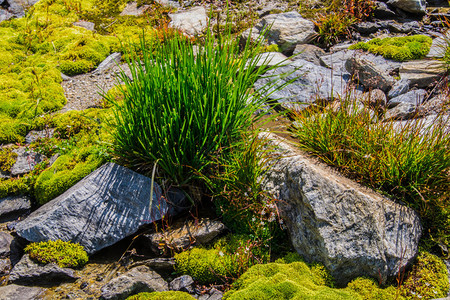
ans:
(382, 11)
(103, 208)
(286, 30)
(403, 111)
(27, 271)
(5, 267)
(109, 62)
(85, 24)
(5, 244)
(400, 87)
(436, 105)
(312, 84)
(272, 59)
(336, 60)
(13, 206)
(185, 235)
(26, 161)
(158, 264)
(182, 283)
(438, 46)
(131, 9)
(422, 73)
(213, 294)
(367, 27)
(309, 53)
(352, 230)
(35, 135)
(375, 98)
(192, 21)
(137, 280)
(415, 97)
(371, 71)
(18, 292)
(18, 7)
(412, 6)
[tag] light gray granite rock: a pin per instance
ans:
(18, 292)
(414, 97)
(399, 88)
(193, 21)
(352, 230)
(103, 208)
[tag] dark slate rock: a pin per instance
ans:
(399, 88)
(26, 161)
(415, 97)
(406, 27)
(103, 208)
(18, 292)
(412, 6)
(367, 27)
(13, 206)
(177, 201)
(27, 271)
(137, 280)
(382, 11)
(182, 283)
(159, 264)
(213, 294)
(5, 244)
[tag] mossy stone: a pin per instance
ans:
(64, 254)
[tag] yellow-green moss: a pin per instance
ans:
(398, 48)
(428, 278)
(170, 295)
(368, 289)
(7, 159)
(64, 254)
(16, 186)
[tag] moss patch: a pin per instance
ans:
(64, 254)
(398, 48)
(7, 159)
(171, 295)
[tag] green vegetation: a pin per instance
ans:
(427, 280)
(409, 163)
(171, 295)
(297, 280)
(181, 109)
(398, 48)
(7, 159)
(226, 260)
(64, 254)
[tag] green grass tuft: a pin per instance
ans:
(64, 254)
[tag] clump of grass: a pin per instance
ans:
(332, 27)
(409, 162)
(180, 107)
(398, 48)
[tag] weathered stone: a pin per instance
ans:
(415, 97)
(12, 206)
(367, 27)
(352, 230)
(106, 206)
(137, 280)
(5, 15)
(312, 84)
(403, 111)
(85, 24)
(422, 73)
(436, 105)
(171, 3)
(375, 98)
(18, 292)
(399, 88)
(309, 53)
(185, 235)
(439, 46)
(412, 6)
(213, 294)
(27, 271)
(272, 59)
(192, 21)
(35, 135)
(18, 7)
(26, 161)
(336, 60)
(286, 30)
(371, 71)
(5, 267)
(406, 27)
(131, 9)
(109, 62)
(182, 283)
(382, 11)
(158, 264)
(5, 244)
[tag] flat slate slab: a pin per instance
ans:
(103, 208)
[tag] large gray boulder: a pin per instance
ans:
(412, 6)
(286, 30)
(137, 280)
(103, 208)
(312, 84)
(353, 231)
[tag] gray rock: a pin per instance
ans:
(171, 3)
(35, 135)
(5, 244)
(18, 292)
(435, 105)
(412, 6)
(5, 15)
(422, 73)
(159, 264)
(309, 53)
(12, 206)
(382, 11)
(131, 9)
(439, 46)
(193, 21)
(336, 60)
(415, 97)
(287, 30)
(106, 206)
(18, 7)
(399, 88)
(312, 83)
(26, 161)
(109, 62)
(182, 283)
(182, 236)
(5, 266)
(27, 271)
(375, 98)
(367, 27)
(372, 71)
(213, 294)
(272, 59)
(403, 111)
(352, 230)
(85, 24)
(137, 280)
